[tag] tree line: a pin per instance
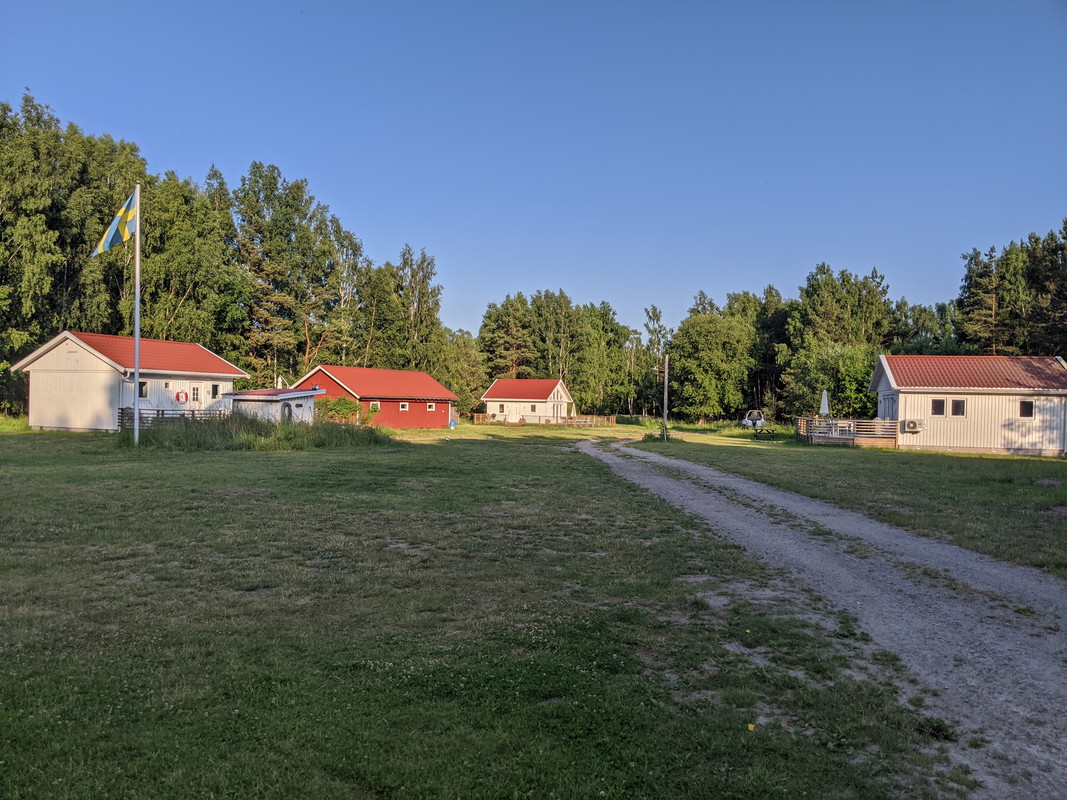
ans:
(267, 277)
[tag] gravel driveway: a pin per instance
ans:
(987, 636)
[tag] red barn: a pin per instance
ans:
(401, 398)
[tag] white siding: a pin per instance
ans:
(991, 423)
(71, 389)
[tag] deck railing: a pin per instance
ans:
(165, 416)
(857, 432)
(582, 421)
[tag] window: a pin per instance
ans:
(403, 406)
(142, 389)
(937, 408)
(501, 409)
(959, 408)
(214, 391)
(1026, 409)
(533, 408)
(166, 384)
(431, 406)
(196, 394)
(375, 405)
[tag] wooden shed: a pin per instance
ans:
(975, 404)
(399, 398)
(528, 400)
(79, 381)
(277, 405)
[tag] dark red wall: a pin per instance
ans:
(390, 415)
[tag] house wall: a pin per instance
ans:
(389, 414)
(990, 424)
(301, 409)
(72, 389)
(204, 394)
(532, 411)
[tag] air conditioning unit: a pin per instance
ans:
(913, 425)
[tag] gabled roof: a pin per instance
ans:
(156, 355)
(384, 384)
(1032, 373)
(523, 389)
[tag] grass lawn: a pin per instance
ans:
(490, 616)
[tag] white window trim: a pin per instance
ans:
(403, 406)
(375, 405)
(431, 406)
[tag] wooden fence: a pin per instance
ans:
(584, 421)
(160, 416)
(854, 432)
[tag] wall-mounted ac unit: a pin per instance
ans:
(913, 425)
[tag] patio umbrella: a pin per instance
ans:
(824, 406)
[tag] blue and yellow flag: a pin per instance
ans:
(122, 227)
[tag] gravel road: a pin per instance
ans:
(987, 636)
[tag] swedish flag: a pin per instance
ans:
(122, 227)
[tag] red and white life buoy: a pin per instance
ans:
(182, 397)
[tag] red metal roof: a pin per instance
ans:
(272, 393)
(160, 356)
(978, 372)
(521, 389)
(375, 384)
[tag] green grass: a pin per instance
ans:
(1012, 508)
(490, 616)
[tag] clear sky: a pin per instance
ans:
(633, 151)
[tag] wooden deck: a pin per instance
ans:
(583, 421)
(848, 432)
(155, 416)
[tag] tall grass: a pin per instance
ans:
(242, 432)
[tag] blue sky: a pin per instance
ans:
(629, 151)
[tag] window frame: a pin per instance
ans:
(375, 405)
(1022, 407)
(431, 406)
(142, 390)
(403, 406)
(194, 393)
(934, 405)
(961, 404)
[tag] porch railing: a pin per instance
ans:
(165, 416)
(857, 432)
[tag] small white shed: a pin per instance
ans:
(277, 405)
(975, 404)
(79, 381)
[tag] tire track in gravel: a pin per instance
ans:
(985, 635)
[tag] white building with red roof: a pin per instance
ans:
(398, 398)
(277, 405)
(79, 381)
(530, 400)
(975, 404)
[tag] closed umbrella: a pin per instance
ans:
(824, 406)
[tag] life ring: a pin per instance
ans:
(182, 397)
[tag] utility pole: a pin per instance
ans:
(666, 361)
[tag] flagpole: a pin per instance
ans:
(137, 314)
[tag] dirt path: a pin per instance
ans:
(987, 636)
